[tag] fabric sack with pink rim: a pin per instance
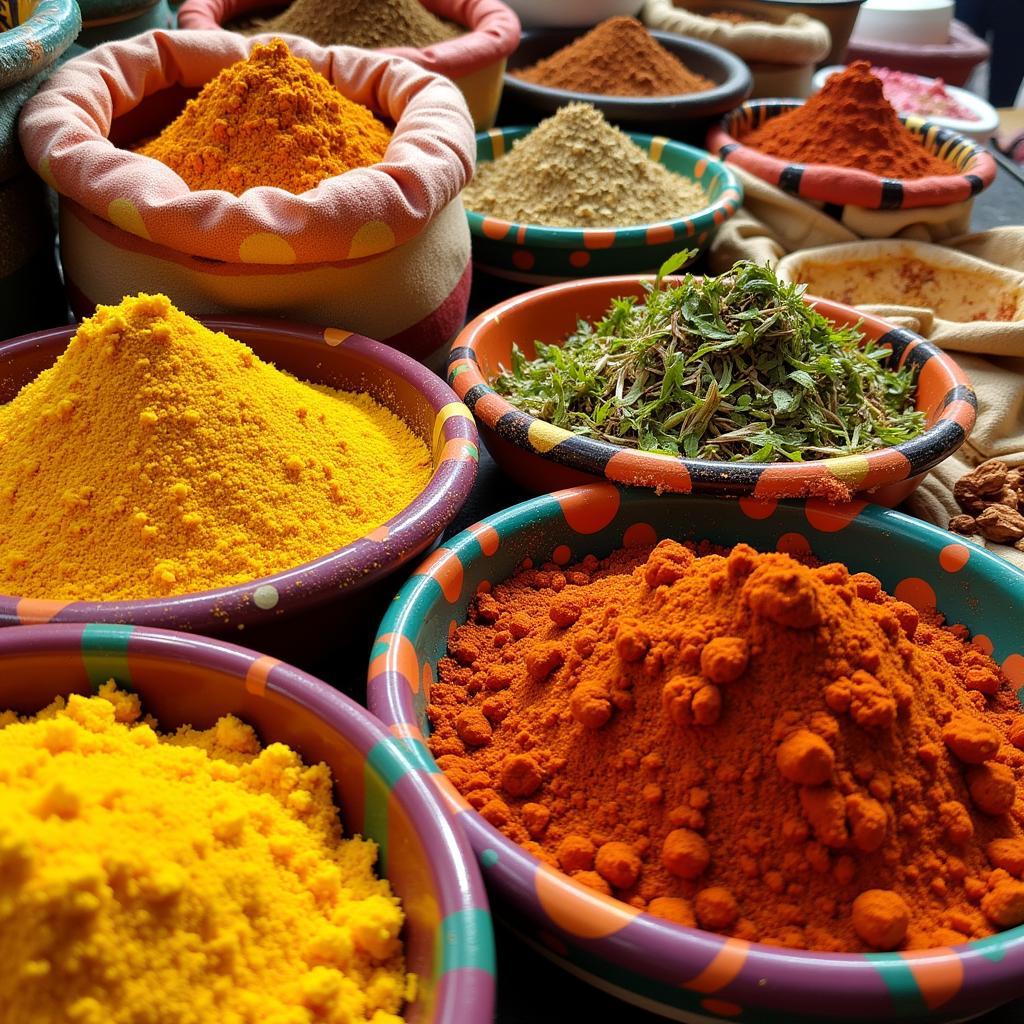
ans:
(381, 250)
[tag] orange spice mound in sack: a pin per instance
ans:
(269, 120)
(776, 752)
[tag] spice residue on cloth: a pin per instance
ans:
(367, 23)
(268, 120)
(849, 123)
(576, 170)
(192, 877)
(619, 57)
(772, 751)
(157, 457)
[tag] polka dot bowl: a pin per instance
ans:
(535, 254)
(381, 793)
(541, 457)
(295, 612)
(845, 186)
(683, 973)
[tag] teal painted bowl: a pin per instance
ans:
(381, 793)
(686, 973)
(535, 254)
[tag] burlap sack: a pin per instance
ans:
(793, 39)
(772, 223)
(990, 351)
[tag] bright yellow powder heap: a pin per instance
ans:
(157, 457)
(159, 882)
(269, 120)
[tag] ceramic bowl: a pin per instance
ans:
(686, 973)
(906, 22)
(535, 254)
(668, 114)
(297, 610)
(980, 130)
(540, 457)
(382, 794)
(845, 186)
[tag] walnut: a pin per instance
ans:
(1001, 524)
(963, 524)
(1015, 479)
(1010, 498)
(988, 479)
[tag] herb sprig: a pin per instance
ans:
(734, 368)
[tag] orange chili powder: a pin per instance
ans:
(849, 123)
(775, 751)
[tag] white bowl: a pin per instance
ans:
(571, 13)
(981, 130)
(915, 22)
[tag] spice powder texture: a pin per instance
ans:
(849, 123)
(268, 120)
(772, 751)
(619, 57)
(576, 170)
(368, 23)
(157, 457)
(183, 879)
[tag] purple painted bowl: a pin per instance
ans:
(688, 974)
(294, 612)
(382, 794)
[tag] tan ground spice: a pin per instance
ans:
(577, 170)
(368, 23)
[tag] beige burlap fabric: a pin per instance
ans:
(983, 268)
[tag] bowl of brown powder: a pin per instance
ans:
(577, 197)
(653, 81)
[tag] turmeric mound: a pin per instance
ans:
(268, 120)
(157, 457)
(187, 878)
(739, 741)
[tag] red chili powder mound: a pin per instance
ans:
(774, 751)
(849, 123)
(618, 57)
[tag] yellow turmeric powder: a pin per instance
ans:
(268, 120)
(147, 878)
(157, 457)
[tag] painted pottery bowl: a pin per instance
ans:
(669, 114)
(535, 254)
(686, 973)
(846, 186)
(541, 457)
(382, 794)
(297, 610)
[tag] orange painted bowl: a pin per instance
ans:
(538, 254)
(380, 792)
(686, 973)
(541, 457)
(296, 611)
(846, 186)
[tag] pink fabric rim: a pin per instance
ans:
(64, 132)
(493, 36)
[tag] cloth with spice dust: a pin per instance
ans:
(157, 457)
(576, 170)
(619, 57)
(184, 877)
(268, 120)
(368, 23)
(778, 752)
(848, 123)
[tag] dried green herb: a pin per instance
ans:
(736, 368)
